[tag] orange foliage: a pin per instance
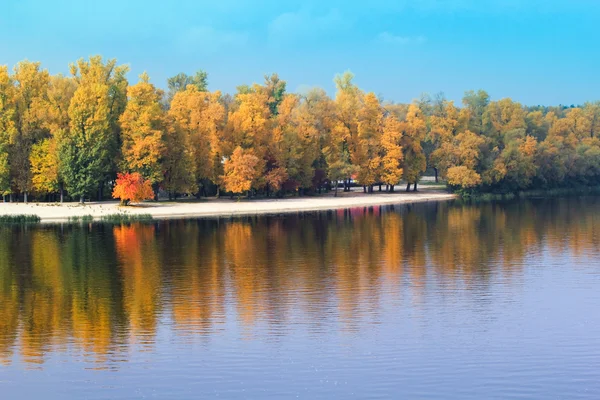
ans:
(240, 171)
(132, 187)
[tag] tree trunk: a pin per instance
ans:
(218, 191)
(408, 187)
(25, 197)
(336, 189)
(380, 187)
(62, 194)
(4, 198)
(415, 188)
(436, 175)
(364, 189)
(392, 188)
(11, 198)
(81, 199)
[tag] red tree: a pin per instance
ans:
(132, 187)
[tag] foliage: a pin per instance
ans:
(81, 219)
(89, 153)
(132, 187)
(240, 171)
(122, 218)
(143, 127)
(19, 219)
(77, 132)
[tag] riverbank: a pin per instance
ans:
(223, 207)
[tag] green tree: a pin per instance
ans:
(90, 153)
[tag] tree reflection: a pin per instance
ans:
(99, 290)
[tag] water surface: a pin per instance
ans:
(435, 300)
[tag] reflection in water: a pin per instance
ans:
(99, 293)
(100, 289)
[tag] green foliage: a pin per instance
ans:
(122, 218)
(19, 219)
(89, 152)
(180, 82)
(84, 219)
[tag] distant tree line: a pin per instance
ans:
(72, 135)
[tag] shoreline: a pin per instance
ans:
(212, 207)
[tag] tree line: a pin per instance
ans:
(71, 135)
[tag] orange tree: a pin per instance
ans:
(132, 187)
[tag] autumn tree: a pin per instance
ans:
(143, 127)
(391, 143)
(7, 128)
(341, 152)
(414, 130)
(249, 126)
(30, 104)
(90, 152)
(45, 155)
(132, 187)
(240, 171)
(368, 147)
(199, 118)
(444, 125)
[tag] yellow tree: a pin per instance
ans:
(504, 116)
(574, 127)
(7, 128)
(45, 155)
(368, 146)
(89, 154)
(414, 130)
(444, 125)
(143, 128)
(314, 119)
(30, 105)
(592, 113)
(391, 143)
(464, 151)
(342, 152)
(515, 166)
(200, 116)
(240, 171)
(284, 151)
(250, 127)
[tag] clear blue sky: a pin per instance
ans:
(536, 51)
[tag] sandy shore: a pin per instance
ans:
(55, 212)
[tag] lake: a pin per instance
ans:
(433, 300)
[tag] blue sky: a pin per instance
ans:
(535, 51)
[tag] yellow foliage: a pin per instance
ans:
(240, 171)
(463, 177)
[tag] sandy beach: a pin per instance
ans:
(223, 207)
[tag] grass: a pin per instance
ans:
(122, 218)
(528, 194)
(81, 218)
(19, 219)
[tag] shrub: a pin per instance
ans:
(132, 187)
